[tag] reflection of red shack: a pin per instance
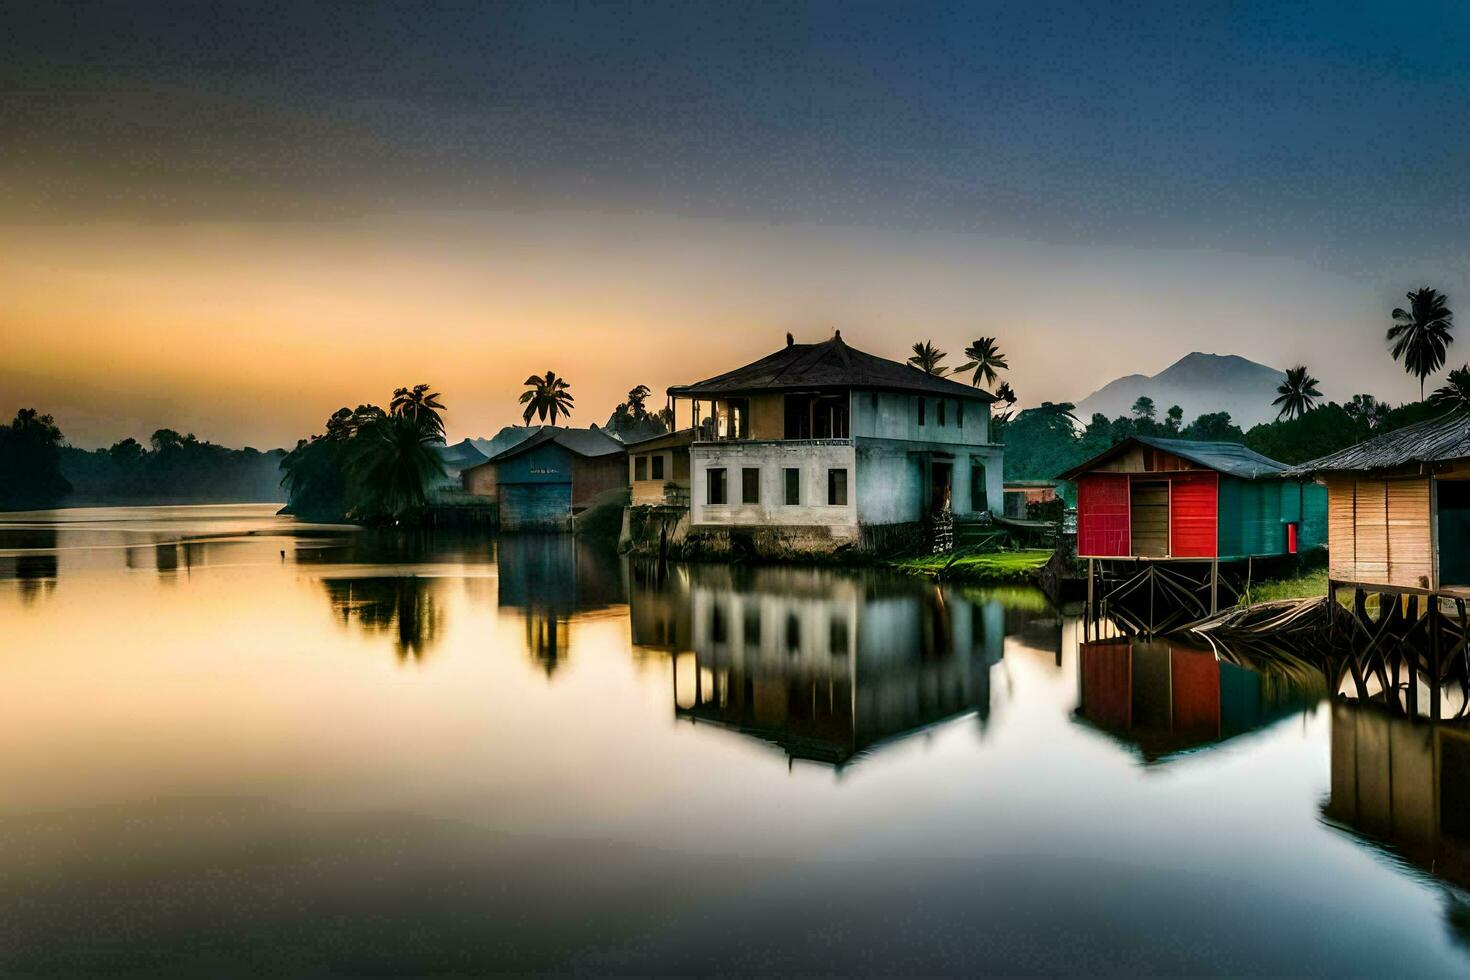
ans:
(1164, 698)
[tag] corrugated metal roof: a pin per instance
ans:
(1230, 458)
(669, 440)
(583, 442)
(1438, 440)
(830, 364)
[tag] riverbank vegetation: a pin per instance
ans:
(977, 566)
(30, 462)
(369, 466)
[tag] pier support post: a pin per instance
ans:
(1434, 672)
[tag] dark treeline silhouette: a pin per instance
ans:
(371, 466)
(1042, 442)
(172, 467)
(30, 462)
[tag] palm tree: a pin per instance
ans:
(547, 396)
(1297, 394)
(1421, 333)
(391, 463)
(420, 405)
(1367, 409)
(1455, 393)
(985, 359)
(636, 397)
(927, 357)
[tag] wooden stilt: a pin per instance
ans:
(1435, 677)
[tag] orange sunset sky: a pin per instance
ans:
(234, 225)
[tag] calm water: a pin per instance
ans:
(230, 742)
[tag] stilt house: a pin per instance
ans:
(1399, 508)
(1151, 498)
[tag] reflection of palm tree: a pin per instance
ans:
(986, 361)
(402, 605)
(421, 405)
(927, 357)
(1297, 393)
(545, 639)
(546, 396)
(1421, 334)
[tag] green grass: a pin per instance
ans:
(991, 567)
(1312, 582)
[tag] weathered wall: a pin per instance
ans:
(813, 459)
(652, 490)
(887, 415)
(480, 480)
(593, 475)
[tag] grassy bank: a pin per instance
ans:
(1310, 583)
(981, 567)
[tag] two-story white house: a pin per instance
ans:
(829, 441)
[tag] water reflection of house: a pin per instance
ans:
(28, 556)
(548, 579)
(1403, 784)
(658, 607)
(827, 669)
(1164, 699)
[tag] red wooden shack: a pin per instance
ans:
(1183, 499)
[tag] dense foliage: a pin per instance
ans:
(172, 467)
(30, 462)
(369, 465)
(1042, 442)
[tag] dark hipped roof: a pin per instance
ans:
(583, 442)
(669, 440)
(1438, 440)
(1230, 458)
(830, 364)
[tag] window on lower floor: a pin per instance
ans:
(837, 635)
(793, 486)
(752, 625)
(640, 467)
(978, 500)
(718, 493)
(657, 464)
(750, 485)
(837, 487)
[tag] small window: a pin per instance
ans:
(793, 634)
(837, 488)
(959, 414)
(640, 467)
(752, 625)
(923, 404)
(658, 466)
(718, 494)
(873, 401)
(793, 486)
(837, 635)
(750, 485)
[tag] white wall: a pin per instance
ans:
(773, 458)
(886, 415)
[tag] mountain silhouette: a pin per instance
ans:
(1197, 383)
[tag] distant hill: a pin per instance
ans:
(511, 435)
(1197, 383)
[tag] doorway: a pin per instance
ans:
(1454, 531)
(941, 476)
(1148, 514)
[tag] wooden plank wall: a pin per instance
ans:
(1379, 531)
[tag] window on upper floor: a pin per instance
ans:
(923, 404)
(817, 416)
(942, 406)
